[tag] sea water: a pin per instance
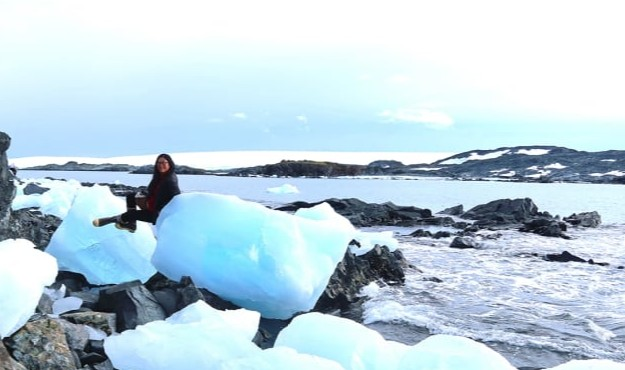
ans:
(535, 313)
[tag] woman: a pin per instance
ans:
(162, 188)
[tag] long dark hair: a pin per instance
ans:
(171, 165)
(156, 176)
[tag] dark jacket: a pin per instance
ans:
(166, 188)
(162, 188)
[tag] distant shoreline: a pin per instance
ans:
(223, 160)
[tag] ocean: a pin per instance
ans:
(533, 312)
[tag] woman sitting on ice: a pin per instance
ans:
(162, 188)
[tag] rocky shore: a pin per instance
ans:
(66, 341)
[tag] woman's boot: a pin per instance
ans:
(104, 221)
(126, 225)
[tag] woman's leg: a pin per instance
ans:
(134, 215)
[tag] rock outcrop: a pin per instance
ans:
(7, 188)
(362, 214)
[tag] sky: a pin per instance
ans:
(115, 78)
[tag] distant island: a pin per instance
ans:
(520, 164)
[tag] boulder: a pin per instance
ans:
(42, 345)
(564, 257)
(503, 212)
(32, 225)
(355, 272)
(546, 227)
(463, 242)
(453, 211)
(584, 219)
(32, 188)
(133, 304)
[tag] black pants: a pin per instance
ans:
(134, 214)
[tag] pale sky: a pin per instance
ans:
(129, 77)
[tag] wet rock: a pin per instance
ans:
(355, 272)
(546, 227)
(362, 214)
(584, 219)
(563, 257)
(463, 242)
(435, 221)
(420, 233)
(441, 234)
(503, 212)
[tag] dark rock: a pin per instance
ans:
(461, 225)
(362, 214)
(7, 187)
(168, 299)
(75, 166)
(463, 242)
(584, 219)
(32, 188)
(180, 170)
(546, 227)
(355, 272)
(592, 262)
(31, 225)
(174, 296)
(432, 279)
(73, 281)
(503, 212)
(89, 298)
(453, 211)
(268, 330)
(420, 233)
(132, 303)
(288, 168)
(383, 167)
(106, 365)
(435, 221)
(441, 234)
(45, 305)
(92, 358)
(189, 293)
(563, 257)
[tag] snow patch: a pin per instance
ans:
(476, 157)
(556, 166)
(533, 151)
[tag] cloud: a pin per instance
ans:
(239, 115)
(302, 118)
(428, 117)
